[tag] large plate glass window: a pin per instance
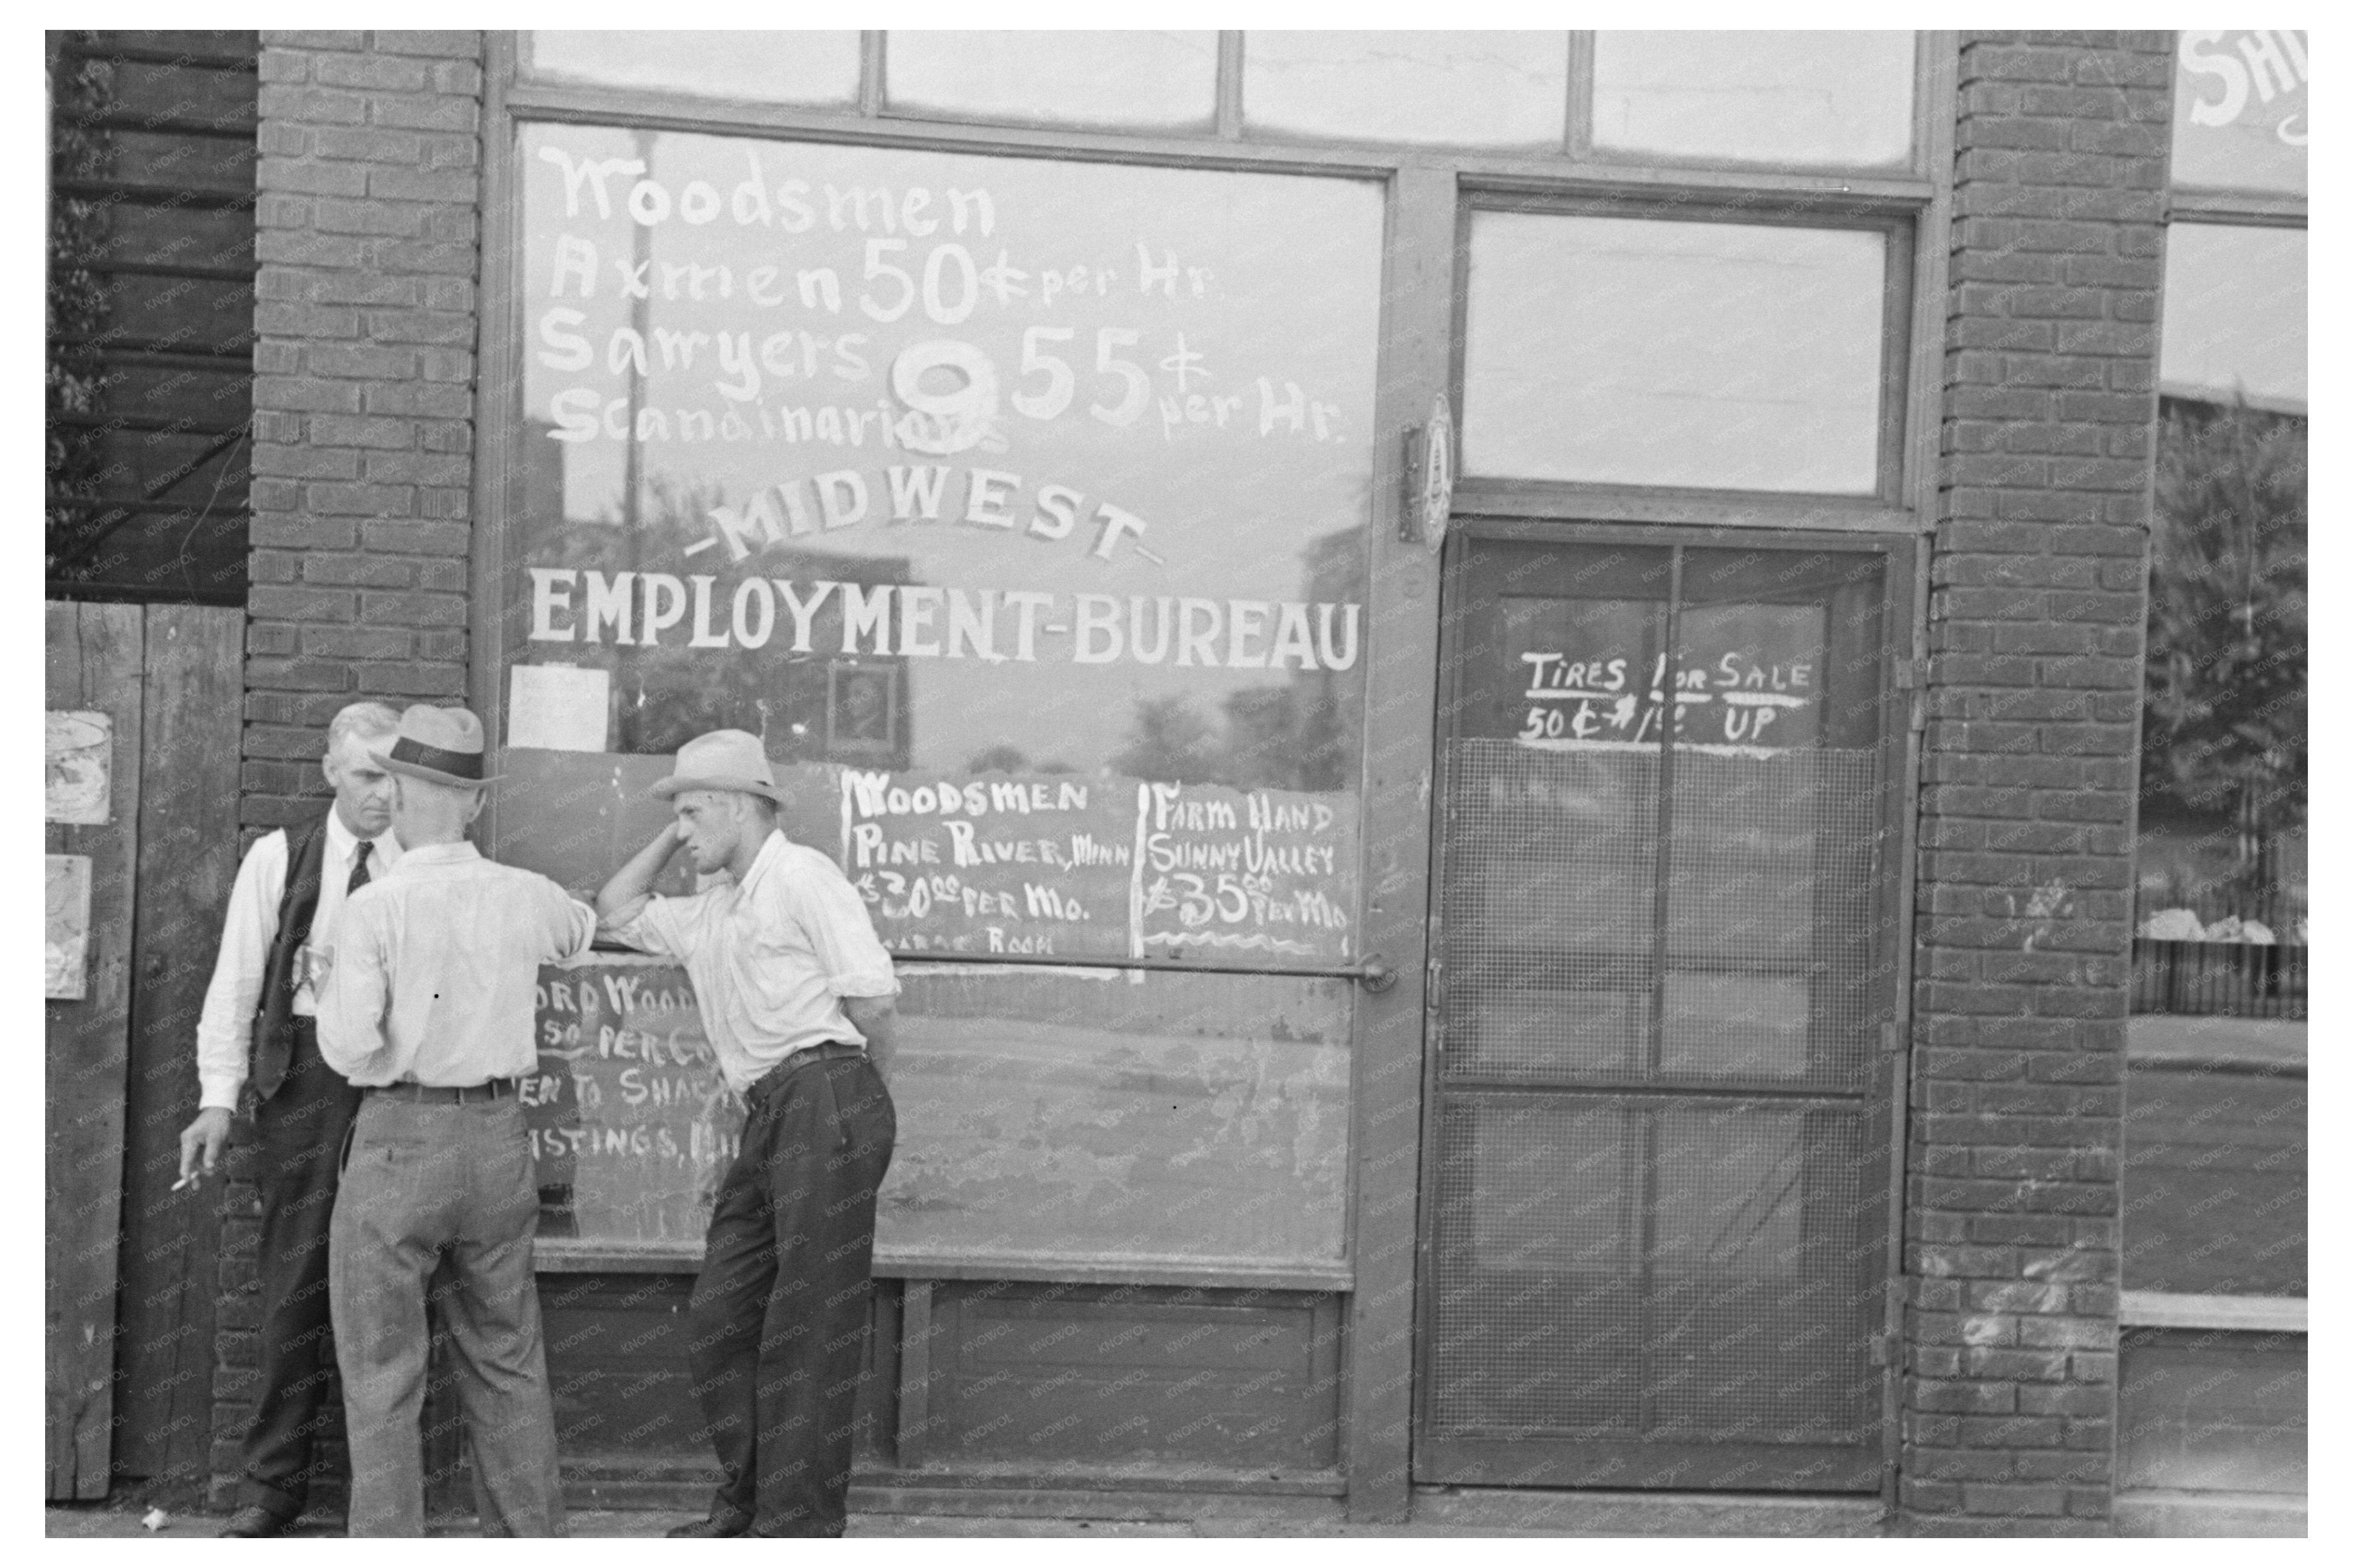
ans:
(1019, 507)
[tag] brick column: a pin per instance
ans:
(2028, 778)
(368, 240)
(364, 315)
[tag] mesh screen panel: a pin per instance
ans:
(1538, 1321)
(1614, 1267)
(1548, 911)
(1756, 1286)
(1770, 915)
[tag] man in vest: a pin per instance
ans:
(258, 1028)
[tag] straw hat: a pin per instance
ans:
(724, 759)
(439, 745)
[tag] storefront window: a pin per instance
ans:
(1136, 79)
(2235, 304)
(814, 69)
(1722, 356)
(1825, 98)
(1461, 90)
(2242, 111)
(1019, 507)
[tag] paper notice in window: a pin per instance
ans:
(558, 708)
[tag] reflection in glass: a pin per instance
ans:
(1432, 89)
(1138, 78)
(818, 68)
(1062, 1114)
(2235, 305)
(1725, 356)
(1043, 1115)
(2241, 110)
(1825, 98)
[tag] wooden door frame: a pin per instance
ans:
(1901, 553)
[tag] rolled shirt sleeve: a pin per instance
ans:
(651, 923)
(829, 909)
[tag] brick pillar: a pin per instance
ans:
(368, 240)
(2028, 783)
(365, 316)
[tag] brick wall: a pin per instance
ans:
(368, 243)
(2026, 817)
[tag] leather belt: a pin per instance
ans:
(444, 1094)
(828, 1050)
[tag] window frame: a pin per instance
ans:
(1691, 503)
(1580, 121)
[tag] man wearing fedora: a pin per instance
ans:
(427, 1008)
(258, 1028)
(796, 991)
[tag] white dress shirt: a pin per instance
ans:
(225, 1029)
(437, 968)
(771, 958)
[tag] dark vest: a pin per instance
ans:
(273, 1028)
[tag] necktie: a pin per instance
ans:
(359, 868)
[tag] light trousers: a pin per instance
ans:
(428, 1185)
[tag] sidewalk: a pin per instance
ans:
(1468, 1512)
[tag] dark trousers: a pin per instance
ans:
(779, 1312)
(299, 1137)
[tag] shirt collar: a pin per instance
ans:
(772, 850)
(341, 840)
(441, 854)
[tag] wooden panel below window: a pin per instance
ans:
(1131, 1377)
(617, 1362)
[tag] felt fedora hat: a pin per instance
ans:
(724, 759)
(439, 745)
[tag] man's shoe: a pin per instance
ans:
(710, 1528)
(255, 1521)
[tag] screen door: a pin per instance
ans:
(1653, 1206)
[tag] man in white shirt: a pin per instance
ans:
(427, 1008)
(258, 1027)
(795, 990)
